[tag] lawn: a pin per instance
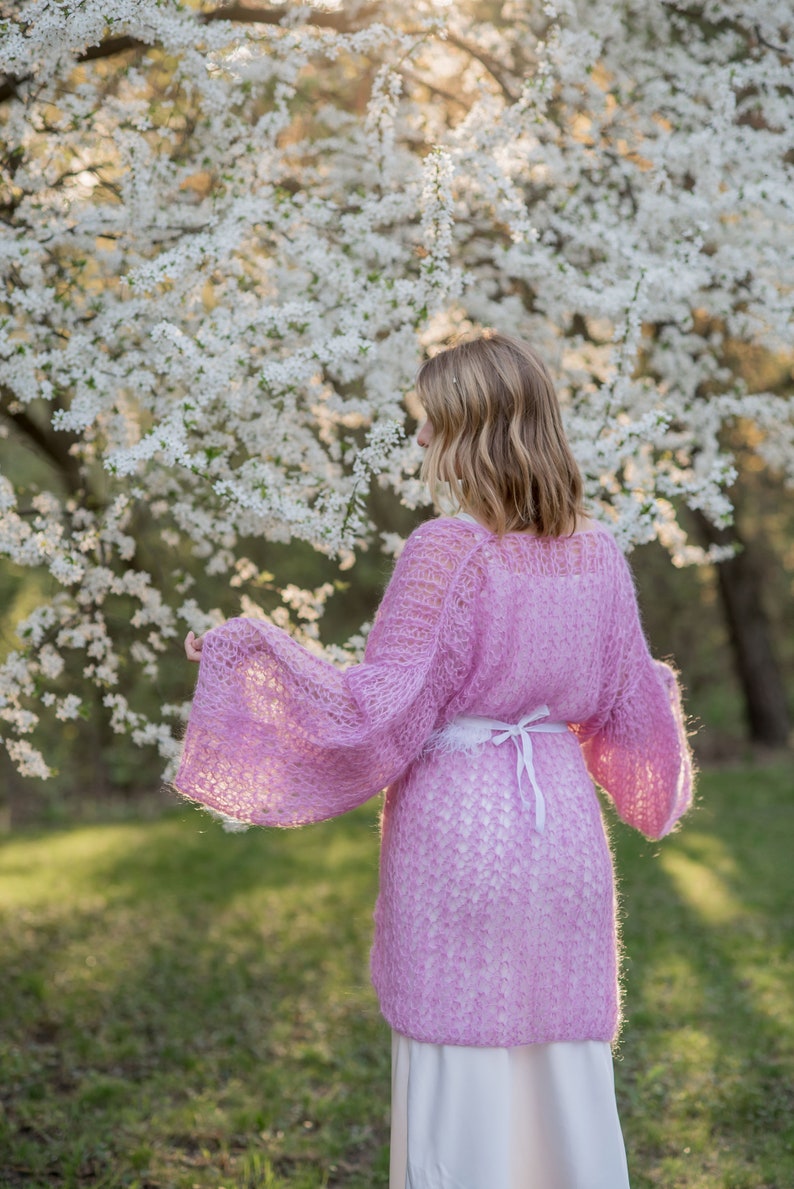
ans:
(185, 1008)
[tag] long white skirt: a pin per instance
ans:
(531, 1117)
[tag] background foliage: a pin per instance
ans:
(227, 235)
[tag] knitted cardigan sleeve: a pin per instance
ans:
(278, 736)
(637, 747)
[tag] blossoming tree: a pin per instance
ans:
(229, 232)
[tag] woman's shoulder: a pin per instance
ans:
(441, 544)
(456, 538)
(447, 532)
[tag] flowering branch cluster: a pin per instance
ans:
(228, 234)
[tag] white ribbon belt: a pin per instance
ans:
(468, 729)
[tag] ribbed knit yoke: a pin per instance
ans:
(492, 927)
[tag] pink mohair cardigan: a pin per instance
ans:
(491, 927)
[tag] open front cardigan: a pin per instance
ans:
(492, 927)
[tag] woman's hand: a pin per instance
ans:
(193, 645)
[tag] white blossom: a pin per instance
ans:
(219, 277)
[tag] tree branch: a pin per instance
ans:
(494, 68)
(778, 49)
(236, 13)
(434, 89)
(54, 446)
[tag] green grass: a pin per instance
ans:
(184, 1008)
(706, 1064)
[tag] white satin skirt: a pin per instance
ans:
(531, 1117)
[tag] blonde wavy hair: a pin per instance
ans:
(498, 440)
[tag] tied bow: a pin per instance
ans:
(521, 734)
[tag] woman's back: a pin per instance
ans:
(482, 909)
(549, 620)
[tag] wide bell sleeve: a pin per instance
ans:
(279, 736)
(636, 747)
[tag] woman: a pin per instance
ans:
(506, 670)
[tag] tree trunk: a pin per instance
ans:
(754, 658)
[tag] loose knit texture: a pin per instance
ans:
(487, 932)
